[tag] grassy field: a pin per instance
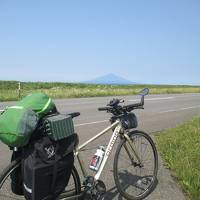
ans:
(9, 89)
(180, 148)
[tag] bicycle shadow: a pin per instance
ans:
(126, 180)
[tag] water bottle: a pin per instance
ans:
(97, 158)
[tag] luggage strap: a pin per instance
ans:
(45, 106)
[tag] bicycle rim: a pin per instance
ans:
(135, 182)
(73, 187)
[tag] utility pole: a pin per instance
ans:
(19, 90)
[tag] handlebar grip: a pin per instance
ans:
(103, 108)
(74, 114)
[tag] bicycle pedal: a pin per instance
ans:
(100, 187)
(94, 190)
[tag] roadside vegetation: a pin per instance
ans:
(180, 148)
(9, 89)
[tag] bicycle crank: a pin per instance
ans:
(94, 190)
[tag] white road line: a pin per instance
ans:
(154, 99)
(180, 109)
(160, 98)
(134, 100)
(89, 123)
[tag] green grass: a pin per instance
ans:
(180, 148)
(8, 89)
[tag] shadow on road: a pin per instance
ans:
(130, 183)
(113, 194)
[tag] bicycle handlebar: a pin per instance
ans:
(135, 105)
(127, 108)
(114, 107)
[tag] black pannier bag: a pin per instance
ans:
(16, 175)
(47, 167)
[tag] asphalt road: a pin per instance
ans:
(161, 112)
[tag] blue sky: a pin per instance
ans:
(143, 41)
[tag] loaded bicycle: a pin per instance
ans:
(135, 159)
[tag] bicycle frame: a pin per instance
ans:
(108, 150)
(117, 128)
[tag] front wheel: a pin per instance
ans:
(136, 178)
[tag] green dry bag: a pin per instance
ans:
(18, 122)
(38, 102)
(16, 126)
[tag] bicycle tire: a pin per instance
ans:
(134, 179)
(14, 164)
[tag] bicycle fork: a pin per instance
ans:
(133, 153)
